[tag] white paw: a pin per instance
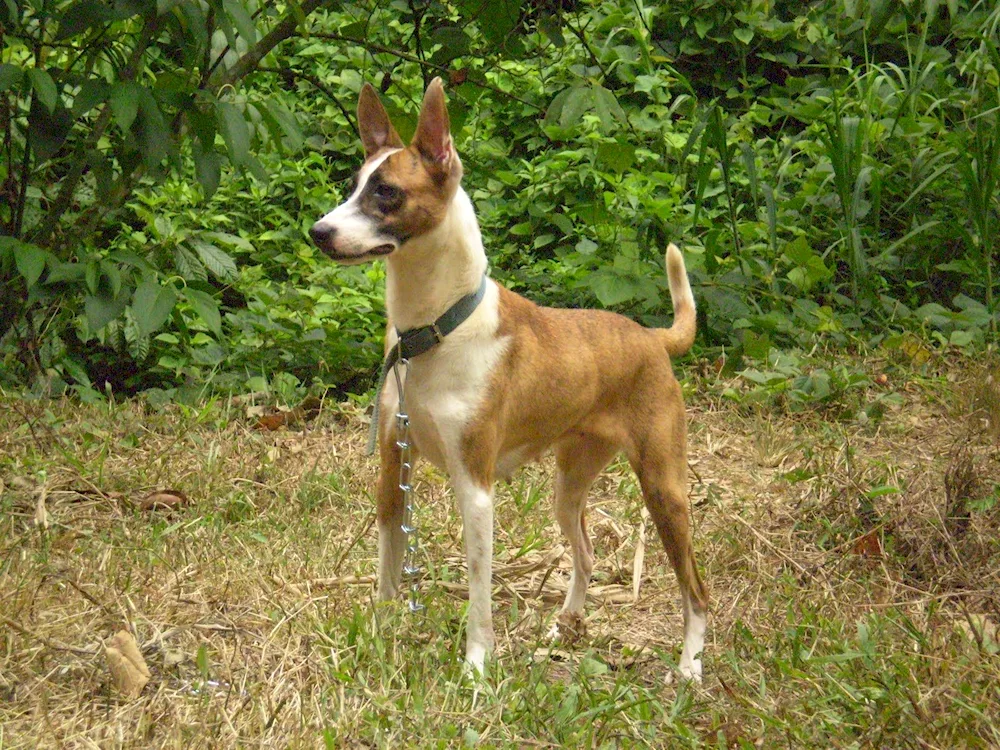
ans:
(690, 669)
(475, 659)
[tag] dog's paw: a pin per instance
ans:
(568, 629)
(475, 660)
(690, 669)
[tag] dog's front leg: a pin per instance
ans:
(475, 500)
(389, 500)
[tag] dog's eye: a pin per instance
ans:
(386, 192)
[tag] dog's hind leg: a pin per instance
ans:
(579, 459)
(660, 461)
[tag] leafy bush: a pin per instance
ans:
(830, 168)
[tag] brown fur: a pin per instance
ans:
(591, 383)
(585, 383)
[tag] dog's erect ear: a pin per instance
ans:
(433, 136)
(373, 123)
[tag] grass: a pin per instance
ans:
(849, 608)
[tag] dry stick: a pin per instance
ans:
(770, 544)
(48, 642)
(548, 572)
(86, 594)
(367, 524)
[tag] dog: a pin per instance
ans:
(513, 379)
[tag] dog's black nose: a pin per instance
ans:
(321, 235)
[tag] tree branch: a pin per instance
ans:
(70, 182)
(314, 80)
(249, 62)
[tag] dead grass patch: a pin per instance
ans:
(853, 575)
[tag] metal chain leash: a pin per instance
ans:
(411, 571)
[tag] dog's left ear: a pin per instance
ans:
(433, 136)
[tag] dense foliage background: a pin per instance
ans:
(829, 167)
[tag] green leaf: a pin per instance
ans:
(10, 76)
(234, 131)
(125, 103)
(496, 18)
(232, 240)
(242, 20)
(82, 15)
(101, 310)
(113, 275)
(208, 168)
(618, 157)
(201, 659)
(611, 288)
(44, 88)
(453, 42)
(288, 124)
(155, 135)
(165, 6)
(30, 261)
(207, 308)
(569, 106)
(188, 265)
(217, 261)
(76, 371)
(210, 355)
(608, 108)
(743, 34)
(551, 26)
(586, 246)
(92, 92)
(152, 305)
(65, 272)
(92, 276)
(48, 131)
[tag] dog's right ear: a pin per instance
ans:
(373, 123)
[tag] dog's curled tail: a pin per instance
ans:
(679, 337)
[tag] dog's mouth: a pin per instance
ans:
(375, 252)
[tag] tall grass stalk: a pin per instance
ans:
(844, 143)
(978, 164)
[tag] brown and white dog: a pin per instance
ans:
(514, 379)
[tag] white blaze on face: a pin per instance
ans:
(355, 234)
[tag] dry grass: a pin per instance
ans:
(855, 598)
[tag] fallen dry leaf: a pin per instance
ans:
(128, 669)
(868, 545)
(273, 422)
(164, 500)
(305, 411)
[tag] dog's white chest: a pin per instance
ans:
(445, 389)
(444, 395)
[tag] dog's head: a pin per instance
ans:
(401, 192)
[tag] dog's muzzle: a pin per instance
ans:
(324, 237)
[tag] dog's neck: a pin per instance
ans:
(430, 273)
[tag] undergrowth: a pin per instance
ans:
(853, 566)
